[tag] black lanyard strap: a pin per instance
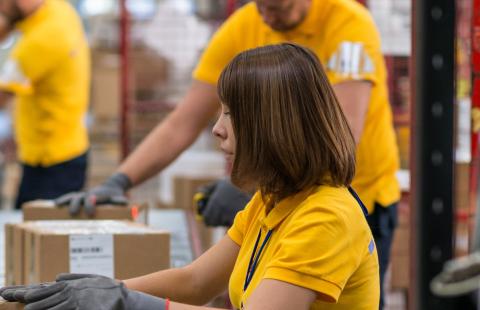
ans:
(252, 265)
(355, 195)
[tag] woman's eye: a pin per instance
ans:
(226, 113)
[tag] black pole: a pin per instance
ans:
(433, 145)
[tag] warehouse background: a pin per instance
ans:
(164, 41)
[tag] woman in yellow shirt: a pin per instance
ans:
(302, 242)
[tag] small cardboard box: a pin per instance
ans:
(400, 264)
(9, 260)
(186, 186)
(118, 249)
(5, 305)
(46, 210)
(14, 260)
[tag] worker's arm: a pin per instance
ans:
(196, 283)
(354, 97)
(5, 30)
(5, 27)
(172, 136)
(5, 97)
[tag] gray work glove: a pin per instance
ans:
(112, 191)
(17, 293)
(219, 202)
(459, 276)
(87, 292)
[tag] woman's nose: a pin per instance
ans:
(217, 130)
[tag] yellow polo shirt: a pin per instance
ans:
(344, 37)
(49, 73)
(320, 241)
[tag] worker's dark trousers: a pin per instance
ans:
(50, 182)
(383, 221)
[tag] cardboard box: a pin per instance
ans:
(117, 249)
(14, 259)
(120, 249)
(46, 210)
(149, 73)
(105, 96)
(400, 252)
(185, 187)
(400, 266)
(5, 305)
(401, 241)
(9, 260)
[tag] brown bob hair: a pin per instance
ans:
(291, 133)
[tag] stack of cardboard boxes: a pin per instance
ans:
(50, 242)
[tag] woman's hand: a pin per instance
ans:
(5, 28)
(86, 292)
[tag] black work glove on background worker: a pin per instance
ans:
(81, 292)
(218, 202)
(112, 191)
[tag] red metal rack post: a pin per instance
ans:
(475, 162)
(124, 78)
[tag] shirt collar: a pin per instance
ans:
(283, 209)
(33, 19)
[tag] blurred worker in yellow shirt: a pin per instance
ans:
(47, 73)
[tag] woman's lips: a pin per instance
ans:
(228, 155)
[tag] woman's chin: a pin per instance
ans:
(229, 158)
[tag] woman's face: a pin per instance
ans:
(223, 130)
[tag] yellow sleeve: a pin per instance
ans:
(315, 252)
(220, 50)
(354, 53)
(13, 79)
(32, 59)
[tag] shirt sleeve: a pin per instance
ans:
(315, 252)
(355, 52)
(13, 79)
(31, 60)
(220, 50)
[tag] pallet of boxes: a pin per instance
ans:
(116, 243)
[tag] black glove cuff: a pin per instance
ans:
(121, 180)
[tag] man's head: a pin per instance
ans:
(283, 15)
(16, 10)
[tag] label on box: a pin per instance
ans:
(92, 254)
